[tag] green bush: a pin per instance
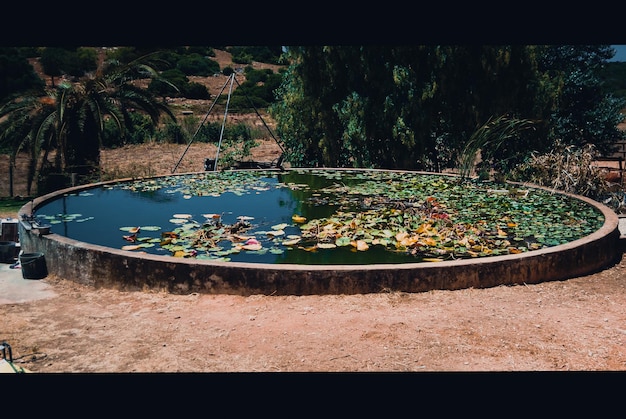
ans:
(163, 89)
(195, 90)
(246, 54)
(260, 87)
(171, 133)
(140, 131)
(197, 65)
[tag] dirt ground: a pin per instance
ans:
(574, 325)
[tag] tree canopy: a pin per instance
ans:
(415, 107)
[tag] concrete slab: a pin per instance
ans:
(15, 289)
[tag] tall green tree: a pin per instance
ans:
(16, 73)
(83, 107)
(26, 122)
(585, 112)
(415, 107)
(74, 62)
(398, 107)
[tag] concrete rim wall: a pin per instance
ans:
(101, 266)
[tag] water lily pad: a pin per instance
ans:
(131, 230)
(291, 242)
(150, 228)
(252, 246)
(280, 226)
(343, 241)
(182, 216)
(360, 245)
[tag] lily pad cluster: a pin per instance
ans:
(430, 217)
(204, 184)
(464, 219)
(211, 239)
(64, 218)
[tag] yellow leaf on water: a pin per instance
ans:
(423, 228)
(428, 241)
(298, 218)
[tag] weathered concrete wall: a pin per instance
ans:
(100, 266)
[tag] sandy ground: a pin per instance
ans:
(573, 325)
(62, 327)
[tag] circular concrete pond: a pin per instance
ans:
(76, 245)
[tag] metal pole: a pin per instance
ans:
(219, 145)
(262, 120)
(199, 126)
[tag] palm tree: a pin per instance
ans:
(71, 117)
(25, 127)
(110, 93)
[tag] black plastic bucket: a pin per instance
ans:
(7, 252)
(33, 266)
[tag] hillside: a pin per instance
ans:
(160, 159)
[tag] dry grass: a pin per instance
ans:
(142, 160)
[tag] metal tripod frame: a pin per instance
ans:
(232, 78)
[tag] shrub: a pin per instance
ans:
(566, 168)
(174, 76)
(172, 133)
(140, 131)
(195, 90)
(197, 65)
